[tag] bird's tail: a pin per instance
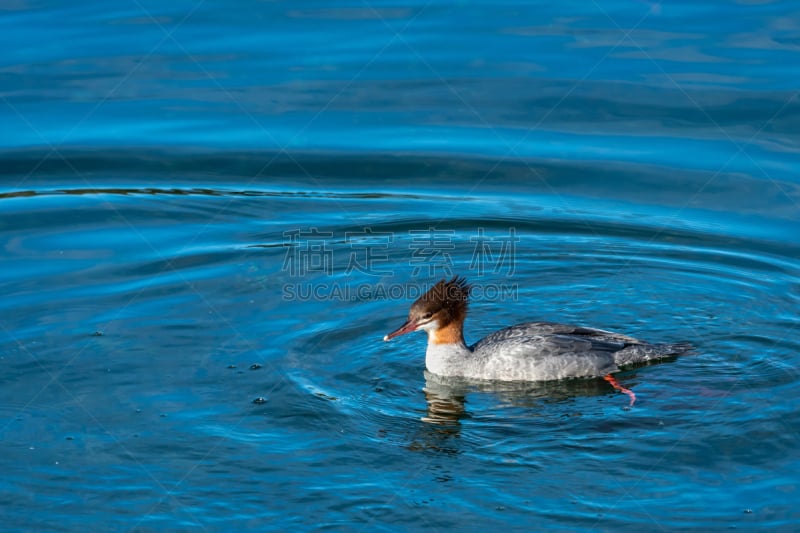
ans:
(642, 353)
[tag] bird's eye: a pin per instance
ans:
(426, 316)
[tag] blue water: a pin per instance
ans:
(211, 213)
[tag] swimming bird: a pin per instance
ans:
(533, 351)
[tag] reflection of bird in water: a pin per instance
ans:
(446, 402)
(534, 351)
(446, 397)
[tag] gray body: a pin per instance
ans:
(541, 351)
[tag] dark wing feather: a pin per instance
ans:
(569, 337)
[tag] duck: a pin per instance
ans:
(531, 351)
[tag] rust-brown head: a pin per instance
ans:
(440, 311)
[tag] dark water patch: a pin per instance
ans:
(718, 189)
(205, 192)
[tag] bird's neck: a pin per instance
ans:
(446, 351)
(452, 333)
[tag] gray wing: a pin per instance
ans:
(562, 336)
(544, 351)
(547, 350)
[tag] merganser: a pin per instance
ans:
(533, 351)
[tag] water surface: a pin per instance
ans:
(211, 213)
